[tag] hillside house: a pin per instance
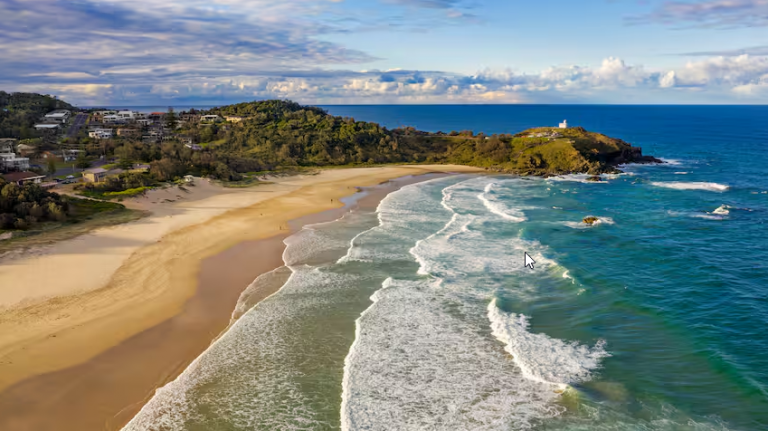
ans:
(233, 118)
(58, 116)
(7, 145)
(47, 127)
(100, 134)
(22, 178)
(127, 132)
(194, 147)
(94, 175)
(210, 119)
(25, 150)
(70, 155)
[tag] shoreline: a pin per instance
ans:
(173, 310)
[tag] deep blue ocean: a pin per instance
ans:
(420, 315)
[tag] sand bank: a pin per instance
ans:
(92, 293)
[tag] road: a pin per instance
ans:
(77, 123)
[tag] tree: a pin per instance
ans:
(82, 162)
(51, 168)
(170, 119)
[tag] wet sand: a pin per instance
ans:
(107, 390)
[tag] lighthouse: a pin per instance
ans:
(564, 124)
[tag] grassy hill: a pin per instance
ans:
(20, 111)
(281, 133)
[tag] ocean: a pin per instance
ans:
(419, 314)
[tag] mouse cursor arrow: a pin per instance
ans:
(529, 261)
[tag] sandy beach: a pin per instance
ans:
(71, 311)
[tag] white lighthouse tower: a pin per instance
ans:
(564, 124)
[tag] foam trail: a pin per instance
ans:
(712, 187)
(541, 358)
(497, 208)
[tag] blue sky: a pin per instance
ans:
(146, 52)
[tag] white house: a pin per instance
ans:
(210, 118)
(6, 145)
(116, 118)
(58, 116)
(564, 124)
(12, 162)
(100, 133)
(53, 126)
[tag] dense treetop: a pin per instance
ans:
(20, 111)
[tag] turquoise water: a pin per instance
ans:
(421, 316)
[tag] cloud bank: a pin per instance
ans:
(142, 52)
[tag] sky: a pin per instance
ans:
(202, 52)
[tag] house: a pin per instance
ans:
(95, 175)
(7, 145)
(25, 149)
(127, 132)
(564, 124)
(194, 147)
(71, 155)
(51, 127)
(12, 162)
(113, 119)
(100, 134)
(144, 121)
(58, 116)
(210, 118)
(233, 118)
(22, 178)
(141, 167)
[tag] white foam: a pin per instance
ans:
(541, 358)
(582, 225)
(583, 178)
(498, 208)
(682, 173)
(722, 210)
(673, 162)
(712, 187)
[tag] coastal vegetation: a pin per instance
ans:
(30, 215)
(277, 134)
(124, 185)
(20, 111)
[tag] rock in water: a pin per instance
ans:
(595, 178)
(591, 220)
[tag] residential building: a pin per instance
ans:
(210, 118)
(58, 116)
(194, 147)
(127, 132)
(51, 127)
(7, 145)
(144, 121)
(113, 119)
(71, 155)
(100, 134)
(24, 149)
(22, 178)
(233, 118)
(12, 162)
(94, 175)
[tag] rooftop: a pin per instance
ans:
(96, 171)
(18, 176)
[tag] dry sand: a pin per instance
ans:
(89, 294)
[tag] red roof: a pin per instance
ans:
(18, 176)
(157, 113)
